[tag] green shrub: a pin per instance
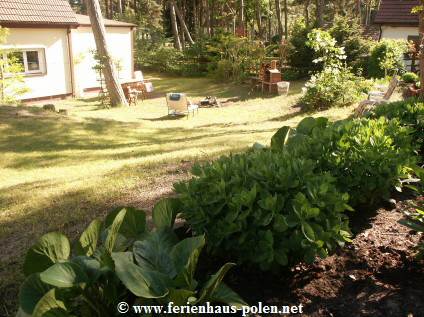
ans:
(299, 54)
(129, 265)
(410, 78)
(409, 112)
(385, 57)
(335, 84)
(291, 74)
(367, 157)
(415, 221)
(265, 208)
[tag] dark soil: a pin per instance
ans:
(375, 275)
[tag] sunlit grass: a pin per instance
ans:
(59, 172)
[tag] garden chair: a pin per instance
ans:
(375, 98)
(178, 103)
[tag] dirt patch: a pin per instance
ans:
(375, 275)
(23, 111)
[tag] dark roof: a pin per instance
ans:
(396, 13)
(55, 12)
(371, 31)
(84, 20)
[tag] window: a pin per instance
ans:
(30, 59)
(414, 39)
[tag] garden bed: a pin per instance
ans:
(375, 275)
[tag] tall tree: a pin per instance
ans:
(420, 10)
(279, 23)
(258, 18)
(177, 43)
(114, 88)
(286, 22)
(320, 12)
(182, 22)
(241, 14)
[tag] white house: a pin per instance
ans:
(55, 47)
(396, 21)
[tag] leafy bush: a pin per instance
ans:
(415, 221)
(385, 57)
(367, 157)
(347, 32)
(265, 208)
(410, 78)
(299, 54)
(409, 112)
(130, 265)
(290, 74)
(335, 84)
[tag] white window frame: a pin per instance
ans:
(41, 60)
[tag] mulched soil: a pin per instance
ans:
(375, 275)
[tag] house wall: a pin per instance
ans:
(57, 79)
(398, 32)
(119, 41)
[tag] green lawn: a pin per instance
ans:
(59, 172)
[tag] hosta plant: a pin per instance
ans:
(265, 208)
(115, 261)
(367, 157)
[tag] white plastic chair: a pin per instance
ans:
(178, 103)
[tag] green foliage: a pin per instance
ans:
(347, 32)
(409, 112)
(385, 57)
(415, 221)
(367, 157)
(335, 85)
(291, 74)
(410, 78)
(299, 54)
(129, 265)
(265, 208)
(12, 83)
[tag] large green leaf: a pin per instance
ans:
(412, 225)
(86, 245)
(140, 281)
(114, 229)
(50, 306)
(31, 291)
(154, 251)
(53, 247)
(164, 212)
(308, 231)
(280, 138)
(184, 258)
(134, 223)
(179, 297)
(90, 266)
(224, 294)
(306, 125)
(65, 275)
(210, 287)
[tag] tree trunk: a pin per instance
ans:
(208, 19)
(421, 50)
(111, 9)
(182, 22)
(106, 8)
(114, 88)
(177, 43)
(286, 22)
(270, 22)
(258, 18)
(358, 11)
(120, 6)
(241, 14)
(307, 2)
(320, 12)
(280, 24)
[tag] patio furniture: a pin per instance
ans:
(178, 103)
(375, 98)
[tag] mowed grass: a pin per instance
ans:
(60, 172)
